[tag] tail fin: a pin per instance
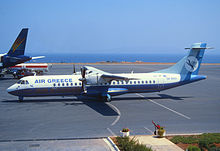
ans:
(18, 46)
(190, 64)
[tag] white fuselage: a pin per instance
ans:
(63, 85)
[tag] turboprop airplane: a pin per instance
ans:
(93, 82)
(16, 54)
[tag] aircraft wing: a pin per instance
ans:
(38, 57)
(92, 70)
(110, 77)
(105, 75)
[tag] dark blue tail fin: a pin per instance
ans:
(18, 46)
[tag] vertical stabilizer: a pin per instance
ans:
(190, 64)
(18, 46)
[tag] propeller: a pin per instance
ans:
(74, 69)
(83, 79)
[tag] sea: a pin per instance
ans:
(101, 57)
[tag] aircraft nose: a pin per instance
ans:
(11, 89)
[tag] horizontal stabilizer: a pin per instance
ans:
(38, 57)
(202, 48)
(3, 54)
(199, 46)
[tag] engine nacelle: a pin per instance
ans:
(94, 79)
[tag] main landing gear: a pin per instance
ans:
(20, 98)
(2, 75)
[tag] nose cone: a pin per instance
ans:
(9, 89)
(12, 90)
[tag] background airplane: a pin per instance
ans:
(16, 54)
(99, 84)
(27, 69)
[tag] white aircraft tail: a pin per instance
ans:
(190, 64)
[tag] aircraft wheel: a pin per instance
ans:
(20, 98)
(15, 76)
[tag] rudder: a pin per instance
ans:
(19, 44)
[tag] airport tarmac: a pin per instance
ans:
(193, 108)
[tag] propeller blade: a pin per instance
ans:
(83, 72)
(83, 79)
(74, 69)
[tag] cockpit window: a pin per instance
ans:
(19, 82)
(22, 82)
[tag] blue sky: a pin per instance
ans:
(110, 26)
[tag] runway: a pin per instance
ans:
(193, 108)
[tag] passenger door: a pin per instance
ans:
(160, 82)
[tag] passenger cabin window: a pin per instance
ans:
(80, 83)
(58, 84)
(71, 84)
(138, 82)
(142, 82)
(75, 83)
(146, 82)
(134, 82)
(67, 84)
(154, 81)
(130, 82)
(113, 83)
(63, 84)
(54, 84)
(150, 81)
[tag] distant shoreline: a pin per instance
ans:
(121, 59)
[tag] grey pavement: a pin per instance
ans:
(56, 145)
